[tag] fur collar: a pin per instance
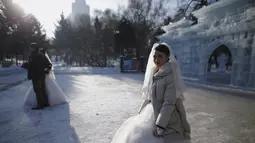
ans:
(164, 71)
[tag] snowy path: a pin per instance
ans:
(100, 103)
(11, 80)
(11, 70)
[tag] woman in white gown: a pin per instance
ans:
(162, 116)
(55, 94)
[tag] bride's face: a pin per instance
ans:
(160, 59)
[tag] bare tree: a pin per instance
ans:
(145, 15)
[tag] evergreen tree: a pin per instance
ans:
(17, 31)
(62, 36)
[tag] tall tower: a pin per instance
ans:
(80, 7)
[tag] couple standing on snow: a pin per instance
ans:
(44, 90)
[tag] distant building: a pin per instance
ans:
(80, 7)
(220, 47)
(80, 12)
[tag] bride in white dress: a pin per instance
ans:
(162, 116)
(55, 94)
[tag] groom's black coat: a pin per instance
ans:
(37, 64)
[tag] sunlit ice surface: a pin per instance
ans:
(101, 99)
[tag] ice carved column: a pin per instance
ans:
(202, 73)
(234, 63)
(233, 73)
(240, 66)
(252, 66)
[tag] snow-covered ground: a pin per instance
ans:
(86, 70)
(100, 103)
(12, 79)
(59, 69)
(96, 103)
(15, 75)
(11, 70)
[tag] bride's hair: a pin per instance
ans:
(164, 49)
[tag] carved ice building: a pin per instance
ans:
(225, 27)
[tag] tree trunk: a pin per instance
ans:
(23, 58)
(80, 59)
(105, 58)
(17, 63)
(12, 59)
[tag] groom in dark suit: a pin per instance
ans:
(38, 65)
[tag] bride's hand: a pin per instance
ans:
(155, 133)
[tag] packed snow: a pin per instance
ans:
(9, 80)
(11, 70)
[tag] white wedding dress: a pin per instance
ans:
(55, 94)
(138, 129)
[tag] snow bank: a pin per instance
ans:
(179, 24)
(223, 17)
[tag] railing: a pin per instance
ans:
(132, 64)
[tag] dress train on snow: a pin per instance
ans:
(138, 129)
(55, 94)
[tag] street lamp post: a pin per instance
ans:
(117, 33)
